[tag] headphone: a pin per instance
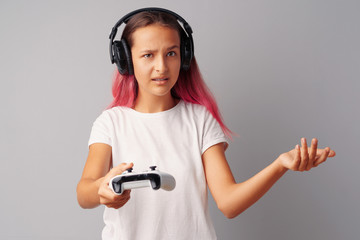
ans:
(120, 52)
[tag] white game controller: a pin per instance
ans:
(152, 178)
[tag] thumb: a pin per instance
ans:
(119, 169)
(332, 153)
(122, 167)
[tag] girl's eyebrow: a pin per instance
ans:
(173, 47)
(152, 51)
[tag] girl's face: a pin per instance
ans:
(156, 59)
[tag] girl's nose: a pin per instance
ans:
(161, 65)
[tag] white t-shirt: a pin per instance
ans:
(174, 141)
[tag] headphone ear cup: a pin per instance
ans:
(128, 58)
(122, 57)
(186, 53)
(118, 57)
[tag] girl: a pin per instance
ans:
(164, 115)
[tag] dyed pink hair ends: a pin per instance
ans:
(190, 87)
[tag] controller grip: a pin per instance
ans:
(168, 182)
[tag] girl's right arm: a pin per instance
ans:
(93, 187)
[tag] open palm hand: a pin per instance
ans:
(304, 158)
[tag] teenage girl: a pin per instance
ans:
(164, 115)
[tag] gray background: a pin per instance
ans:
(280, 70)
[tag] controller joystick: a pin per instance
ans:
(153, 178)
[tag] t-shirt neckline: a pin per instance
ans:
(162, 113)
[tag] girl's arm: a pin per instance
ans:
(233, 198)
(93, 187)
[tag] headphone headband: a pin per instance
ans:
(126, 18)
(185, 26)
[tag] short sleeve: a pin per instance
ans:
(212, 133)
(101, 130)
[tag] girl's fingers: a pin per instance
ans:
(107, 197)
(124, 197)
(303, 158)
(297, 158)
(312, 154)
(332, 153)
(304, 155)
(120, 200)
(118, 204)
(324, 155)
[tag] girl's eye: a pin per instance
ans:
(171, 54)
(148, 55)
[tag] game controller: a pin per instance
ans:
(151, 178)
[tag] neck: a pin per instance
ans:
(154, 104)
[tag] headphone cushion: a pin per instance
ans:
(122, 57)
(186, 53)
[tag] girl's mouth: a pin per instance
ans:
(160, 79)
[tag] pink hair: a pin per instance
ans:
(190, 87)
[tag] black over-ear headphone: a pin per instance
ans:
(120, 53)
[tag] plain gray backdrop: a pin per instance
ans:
(280, 70)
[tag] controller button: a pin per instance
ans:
(153, 168)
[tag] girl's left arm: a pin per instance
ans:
(233, 198)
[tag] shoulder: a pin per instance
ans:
(196, 109)
(114, 112)
(112, 115)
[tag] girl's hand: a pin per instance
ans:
(303, 159)
(107, 197)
